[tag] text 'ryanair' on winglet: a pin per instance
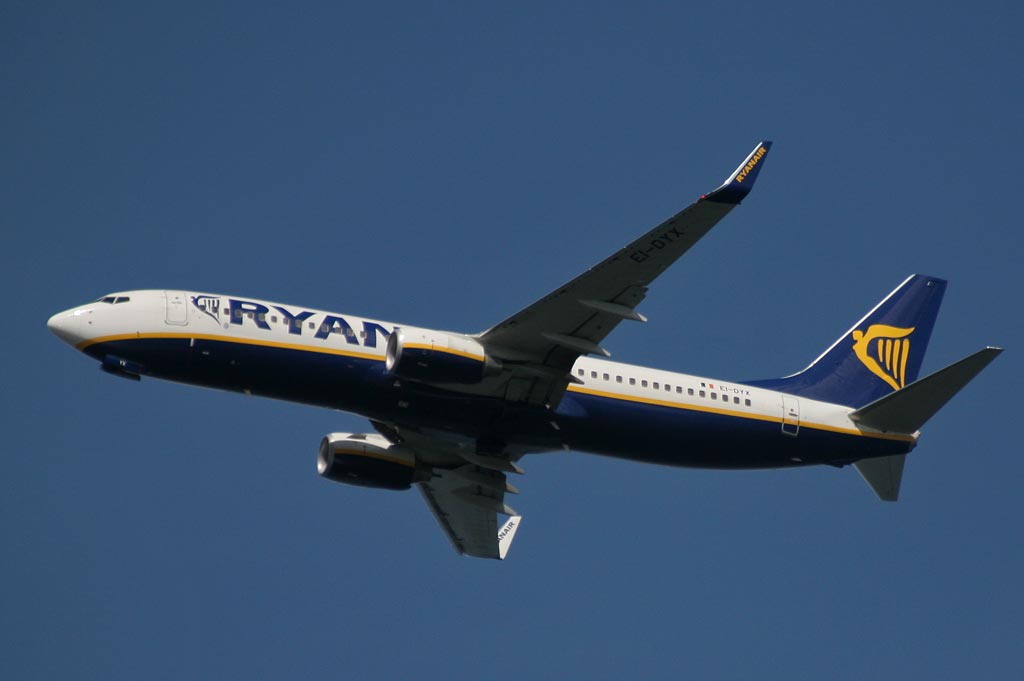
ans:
(739, 184)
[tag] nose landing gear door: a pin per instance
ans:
(177, 308)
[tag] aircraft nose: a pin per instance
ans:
(64, 325)
(57, 324)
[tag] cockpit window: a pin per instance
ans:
(113, 300)
(121, 299)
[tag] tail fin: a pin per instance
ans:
(880, 354)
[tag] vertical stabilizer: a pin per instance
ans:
(881, 353)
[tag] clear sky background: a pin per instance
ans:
(444, 165)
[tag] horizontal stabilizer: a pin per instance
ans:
(907, 409)
(884, 474)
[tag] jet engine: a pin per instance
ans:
(437, 357)
(368, 461)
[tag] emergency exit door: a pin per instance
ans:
(790, 415)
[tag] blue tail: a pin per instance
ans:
(880, 354)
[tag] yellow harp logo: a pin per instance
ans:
(884, 351)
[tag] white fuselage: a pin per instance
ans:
(265, 348)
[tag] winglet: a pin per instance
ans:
(506, 534)
(739, 184)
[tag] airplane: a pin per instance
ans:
(455, 413)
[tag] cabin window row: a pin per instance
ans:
(657, 385)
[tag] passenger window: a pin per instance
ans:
(643, 383)
(313, 326)
(263, 317)
(606, 377)
(656, 386)
(579, 371)
(593, 374)
(324, 328)
(668, 388)
(714, 396)
(735, 400)
(273, 319)
(689, 391)
(632, 381)
(702, 393)
(618, 379)
(747, 402)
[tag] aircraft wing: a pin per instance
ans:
(540, 344)
(466, 502)
(465, 491)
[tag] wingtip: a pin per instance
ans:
(741, 181)
(506, 534)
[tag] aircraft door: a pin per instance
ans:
(790, 415)
(177, 308)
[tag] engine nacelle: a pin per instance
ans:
(367, 461)
(437, 357)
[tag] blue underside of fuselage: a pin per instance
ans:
(583, 422)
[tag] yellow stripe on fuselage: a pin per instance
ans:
(737, 414)
(345, 352)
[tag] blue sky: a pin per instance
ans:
(445, 166)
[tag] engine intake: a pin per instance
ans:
(435, 357)
(367, 461)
